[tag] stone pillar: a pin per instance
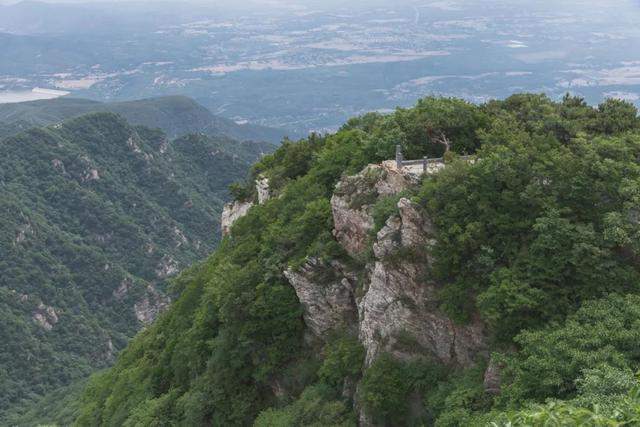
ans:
(399, 158)
(425, 164)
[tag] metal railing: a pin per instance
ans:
(425, 161)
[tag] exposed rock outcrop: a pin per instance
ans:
(179, 237)
(150, 306)
(123, 288)
(231, 213)
(91, 175)
(493, 377)
(263, 189)
(59, 165)
(328, 306)
(399, 312)
(353, 200)
(45, 316)
(108, 355)
(133, 145)
(167, 267)
(237, 209)
(23, 232)
(397, 304)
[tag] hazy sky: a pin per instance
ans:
(212, 2)
(249, 4)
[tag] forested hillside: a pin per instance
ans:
(361, 294)
(96, 216)
(175, 115)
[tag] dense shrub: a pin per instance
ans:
(551, 361)
(343, 359)
(318, 406)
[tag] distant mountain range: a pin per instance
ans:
(174, 115)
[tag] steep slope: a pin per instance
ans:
(96, 216)
(175, 115)
(363, 293)
(13, 128)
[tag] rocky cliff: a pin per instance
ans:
(391, 302)
(396, 299)
(231, 213)
(353, 199)
(235, 210)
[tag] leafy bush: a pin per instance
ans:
(528, 228)
(343, 359)
(389, 386)
(316, 407)
(385, 391)
(552, 361)
(625, 411)
(383, 209)
(457, 398)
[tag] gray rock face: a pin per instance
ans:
(352, 226)
(326, 291)
(23, 233)
(231, 213)
(237, 209)
(263, 189)
(353, 200)
(397, 309)
(167, 267)
(45, 316)
(399, 312)
(150, 306)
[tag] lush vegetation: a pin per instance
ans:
(538, 237)
(93, 211)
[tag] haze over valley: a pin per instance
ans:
(309, 66)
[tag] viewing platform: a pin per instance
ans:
(422, 166)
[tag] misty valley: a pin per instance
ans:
(310, 66)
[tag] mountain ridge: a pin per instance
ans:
(359, 294)
(175, 115)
